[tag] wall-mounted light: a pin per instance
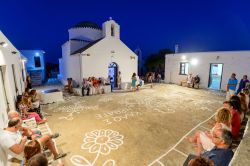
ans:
(4, 44)
(132, 57)
(194, 61)
(37, 54)
(183, 57)
(13, 52)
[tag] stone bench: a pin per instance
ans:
(93, 91)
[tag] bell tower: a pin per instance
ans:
(111, 29)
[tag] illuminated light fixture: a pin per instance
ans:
(194, 61)
(183, 57)
(37, 54)
(4, 44)
(132, 57)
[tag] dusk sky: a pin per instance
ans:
(196, 25)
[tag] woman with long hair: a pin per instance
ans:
(204, 139)
(133, 84)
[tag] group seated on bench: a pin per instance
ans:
(217, 144)
(93, 86)
(191, 81)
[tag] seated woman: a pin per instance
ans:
(34, 99)
(243, 105)
(234, 106)
(204, 139)
(196, 81)
(189, 79)
(96, 85)
(69, 86)
(31, 148)
(23, 108)
(34, 147)
(31, 108)
(246, 92)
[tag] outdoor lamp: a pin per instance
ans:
(4, 44)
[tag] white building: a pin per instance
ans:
(214, 68)
(35, 65)
(99, 52)
(12, 77)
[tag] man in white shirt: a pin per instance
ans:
(11, 141)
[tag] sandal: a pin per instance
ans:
(60, 155)
(55, 135)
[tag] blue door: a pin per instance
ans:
(215, 76)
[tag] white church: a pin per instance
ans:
(99, 52)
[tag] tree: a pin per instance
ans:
(156, 62)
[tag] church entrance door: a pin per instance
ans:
(113, 70)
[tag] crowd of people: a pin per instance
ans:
(215, 146)
(193, 81)
(212, 147)
(88, 85)
(20, 141)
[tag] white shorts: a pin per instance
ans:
(206, 142)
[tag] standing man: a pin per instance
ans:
(231, 86)
(119, 80)
(242, 84)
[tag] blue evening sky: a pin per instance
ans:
(196, 25)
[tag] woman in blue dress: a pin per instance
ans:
(133, 82)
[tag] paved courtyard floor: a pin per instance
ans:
(148, 127)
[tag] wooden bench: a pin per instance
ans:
(183, 83)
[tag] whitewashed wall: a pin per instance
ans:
(103, 53)
(70, 64)
(233, 62)
(106, 29)
(76, 45)
(6, 61)
(90, 34)
(109, 49)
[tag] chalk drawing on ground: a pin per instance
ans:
(99, 142)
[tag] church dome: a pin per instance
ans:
(87, 24)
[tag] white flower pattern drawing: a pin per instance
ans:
(101, 142)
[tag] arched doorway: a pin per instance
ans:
(113, 70)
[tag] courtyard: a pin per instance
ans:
(147, 127)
